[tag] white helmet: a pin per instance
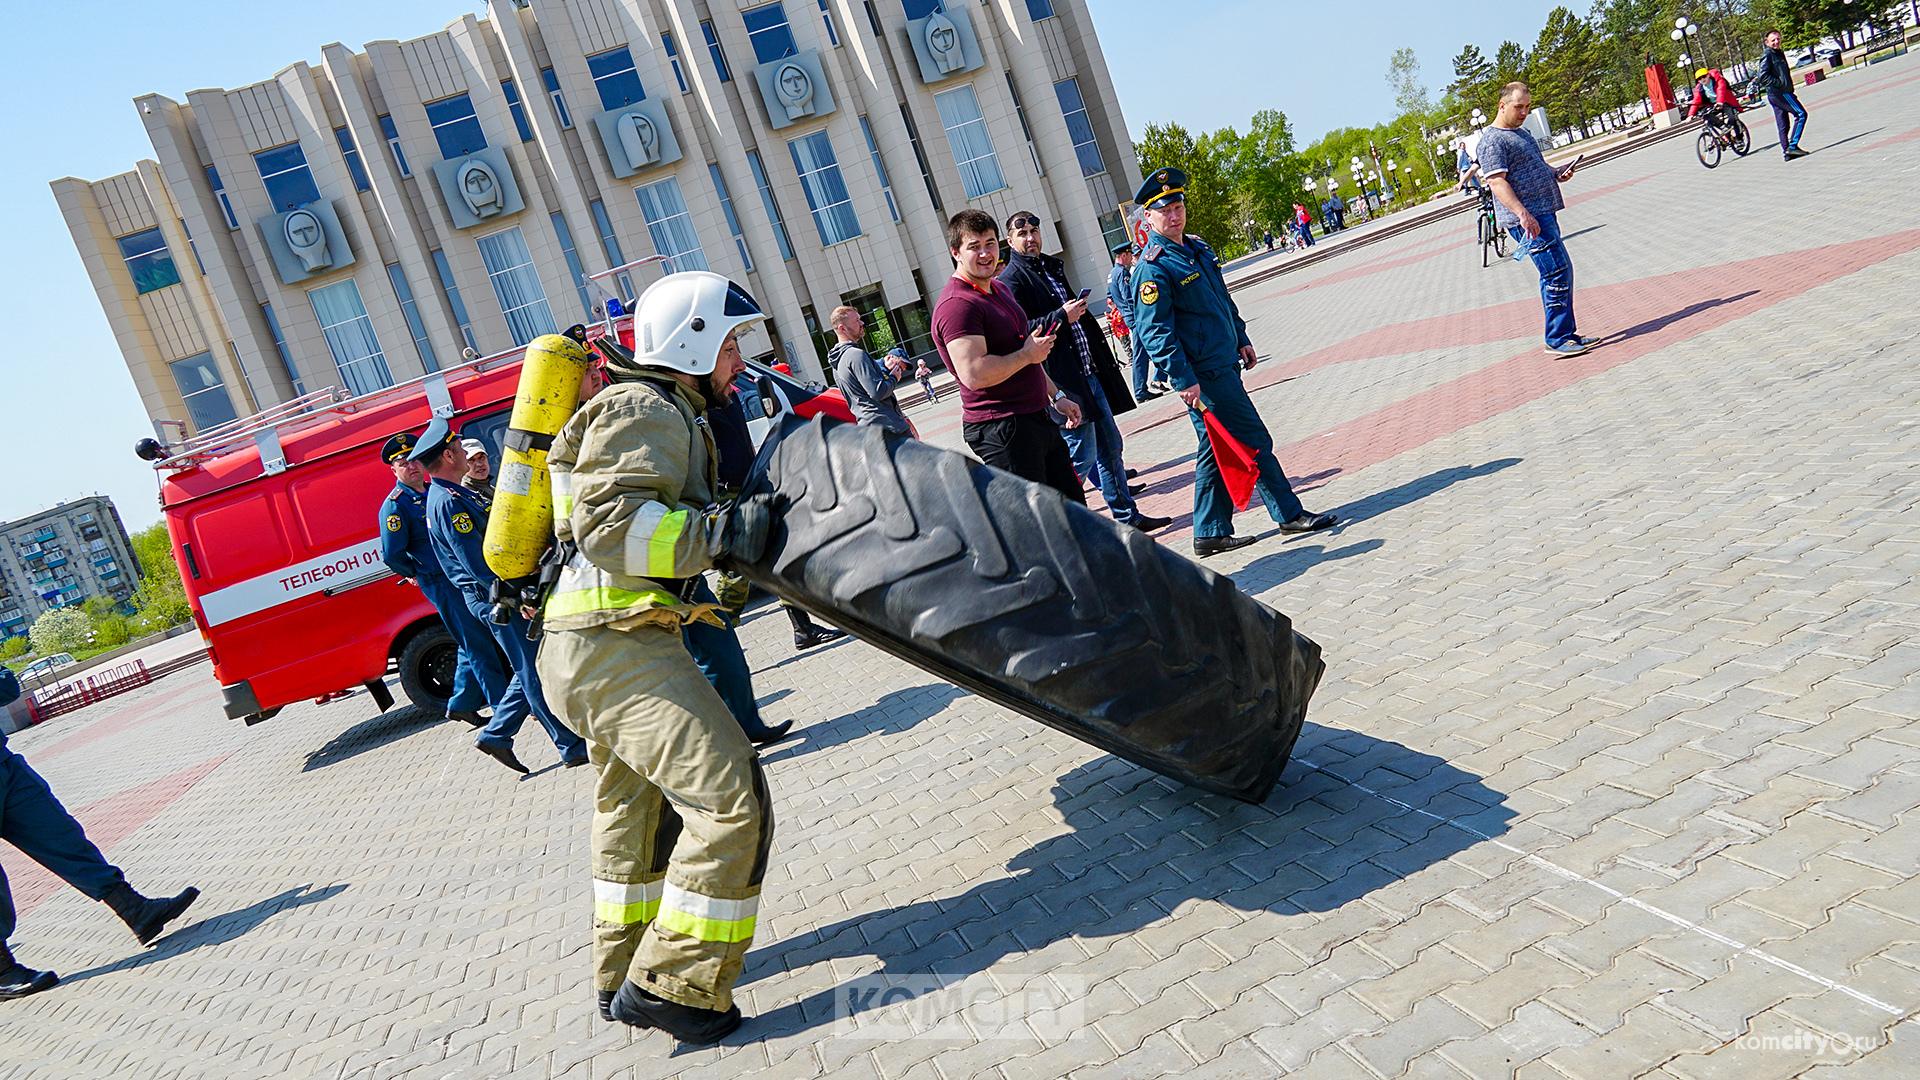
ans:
(682, 320)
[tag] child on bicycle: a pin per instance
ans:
(1711, 91)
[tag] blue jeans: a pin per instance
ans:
(478, 681)
(1223, 392)
(523, 696)
(1096, 449)
(1785, 105)
(721, 659)
(32, 820)
(1549, 255)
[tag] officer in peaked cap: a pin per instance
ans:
(457, 524)
(479, 679)
(1120, 301)
(1185, 322)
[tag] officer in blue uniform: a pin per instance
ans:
(457, 523)
(32, 820)
(478, 680)
(1185, 321)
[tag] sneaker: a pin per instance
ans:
(1569, 347)
(1588, 342)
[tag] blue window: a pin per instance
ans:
(455, 127)
(1074, 107)
(578, 271)
(1040, 9)
(879, 168)
(289, 182)
(673, 60)
(203, 391)
(415, 325)
(972, 146)
(220, 193)
(826, 192)
(826, 16)
(713, 50)
(518, 109)
(671, 226)
(768, 30)
(393, 145)
(148, 262)
(352, 153)
(516, 284)
(615, 78)
(552, 83)
(350, 337)
(920, 9)
(451, 289)
(773, 208)
(280, 346)
(610, 245)
(726, 209)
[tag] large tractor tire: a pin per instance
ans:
(1007, 589)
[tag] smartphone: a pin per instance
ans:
(1084, 293)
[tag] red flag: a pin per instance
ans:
(1236, 460)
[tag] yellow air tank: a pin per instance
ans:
(520, 525)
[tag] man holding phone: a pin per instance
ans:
(1526, 191)
(983, 336)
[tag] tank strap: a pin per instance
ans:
(523, 441)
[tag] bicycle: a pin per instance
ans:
(1492, 237)
(1722, 130)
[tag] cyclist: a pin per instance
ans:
(1712, 94)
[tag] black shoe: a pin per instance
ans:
(1135, 489)
(1148, 523)
(503, 755)
(574, 762)
(1133, 474)
(818, 635)
(1142, 399)
(699, 1027)
(1307, 523)
(17, 980)
(1796, 152)
(767, 736)
(606, 1005)
(468, 717)
(1204, 546)
(146, 916)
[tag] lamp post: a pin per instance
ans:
(1683, 31)
(1393, 177)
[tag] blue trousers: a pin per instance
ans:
(523, 696)
(32, 820)
(1096, 450)
(479, 680)
(1786, 104)
(1549, 255)
(1223, 392)
(721, 659)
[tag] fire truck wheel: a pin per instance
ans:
(1005, 588)
(427, 663)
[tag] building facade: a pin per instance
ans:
(62, 557)
(361, 221)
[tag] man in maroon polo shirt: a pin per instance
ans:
(981, 333)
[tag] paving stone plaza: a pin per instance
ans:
(1613, 771)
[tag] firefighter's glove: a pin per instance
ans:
(738, 530)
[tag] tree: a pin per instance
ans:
(61, 630)
(1509, 65)
(1472, 71)
(1268, 175)
(1563, 68)
(1403, 74)
(1210, 199)
(161, 600)
(14, 647)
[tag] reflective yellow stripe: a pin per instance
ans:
(605, 598)
(625, 903)
(726, 931)
(563, 505)
(706, 917)
(660, 560)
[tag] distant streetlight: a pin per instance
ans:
(1683, 31)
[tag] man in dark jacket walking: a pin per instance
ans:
(1080, 364)
(1776, 75)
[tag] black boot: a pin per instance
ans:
(145, 916)
(807, 634)
(699, 1027)
(17, 980)
(605, 998)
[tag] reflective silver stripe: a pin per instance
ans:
(640, 534)
(708, 907)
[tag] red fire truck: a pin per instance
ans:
(274, 522)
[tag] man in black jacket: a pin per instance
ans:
(1080, 364)
(1776, 75)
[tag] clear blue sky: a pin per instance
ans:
(71, 412)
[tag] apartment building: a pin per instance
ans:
(61, 557)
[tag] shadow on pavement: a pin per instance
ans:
(1582, 232)
(1663, 321)
(896, 711)
(1394, 498)
(1138, 846)
(1288, 563)
(1848, 139)
(217, 930)
(371, 734)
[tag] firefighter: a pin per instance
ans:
(457, 522)
(682, 823)
(408, 552)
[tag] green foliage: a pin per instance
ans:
(14, 647)
(1403, 74)
(1207, 160)
(1509, 65)
(161, 600)
(61, 630)
(112, 631)
(1472, 77)
(1565, 68)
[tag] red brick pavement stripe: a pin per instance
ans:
(108, 821)
(1863, 91)
(1891, 140)
(130, 715)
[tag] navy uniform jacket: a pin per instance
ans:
(457, 523)
(404, 544)
(1183, 316)
(1120, 293)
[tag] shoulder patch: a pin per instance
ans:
(394, 523)
(1149, 292)
(463, 522)
(1152, 254)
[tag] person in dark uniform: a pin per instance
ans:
(478, 679)
(1185, 320)
(457, 524)
(32, 820)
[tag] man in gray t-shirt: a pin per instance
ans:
(1526, 191)
(868, 385)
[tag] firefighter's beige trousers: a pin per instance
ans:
(681, 819)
